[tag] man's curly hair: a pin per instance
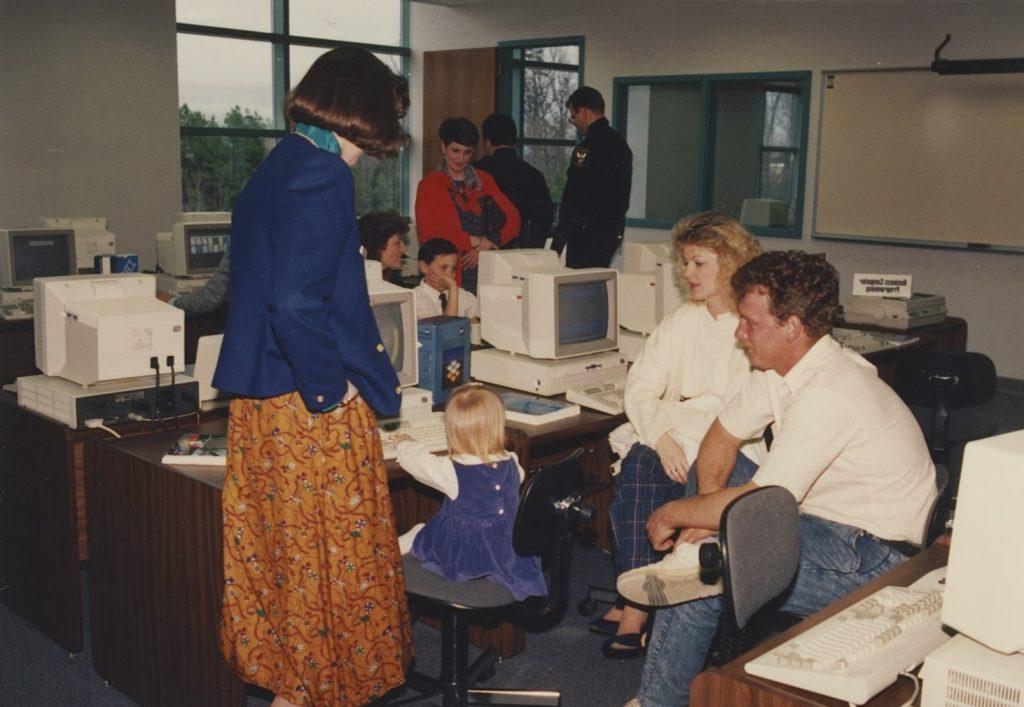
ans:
(796, 283)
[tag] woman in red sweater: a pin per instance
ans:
(462, 204)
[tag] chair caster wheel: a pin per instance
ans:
(586, 607)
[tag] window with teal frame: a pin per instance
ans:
(536, 78)
(236, 64)
(735, 143)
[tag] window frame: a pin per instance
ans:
(281, 40)
(705, 162)
(509, 67)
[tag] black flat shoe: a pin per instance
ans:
(603, 627)
(625, 647)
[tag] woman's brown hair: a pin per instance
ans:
(351, 92)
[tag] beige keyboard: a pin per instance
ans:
(428, 430)
(603, 397)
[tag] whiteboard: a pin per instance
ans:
(913, 156)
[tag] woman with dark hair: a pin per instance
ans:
(314, 605)
(383, 235)
(462, 204)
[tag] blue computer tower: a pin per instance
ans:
(444, 355)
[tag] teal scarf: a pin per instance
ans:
(324, 139)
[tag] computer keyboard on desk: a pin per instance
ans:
(867, 342)
(861, 650)
(17, 310)
(603, 397)
(428, 430)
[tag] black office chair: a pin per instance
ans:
(548, 512)
(947, 390)
(756, 558)
(937, 383)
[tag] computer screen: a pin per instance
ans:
(582, 311)
(983, 598)
(28, 253)
(394, 309)
(531, 304)
(648, 286)
(195, 244)
(92, 328)
(91, 237)
(207, 244)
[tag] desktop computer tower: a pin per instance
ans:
(443, 355)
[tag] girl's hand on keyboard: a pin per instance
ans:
(402, 437)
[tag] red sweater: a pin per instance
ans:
(437, 217)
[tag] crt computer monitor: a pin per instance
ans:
(28, 253)
(530, 304)
(648, 287)
(93, 328)
(195, 245)
(394, 309)
(984, 599)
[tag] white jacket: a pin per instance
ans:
(689, 368)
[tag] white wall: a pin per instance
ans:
(89, 116)
(651, 37)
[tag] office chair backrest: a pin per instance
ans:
(941, 481)
(546, 503)
(548, 512)
(760, 534)
(962, 377)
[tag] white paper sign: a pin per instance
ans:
(882, 285)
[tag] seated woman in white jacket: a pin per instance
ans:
(690, 366)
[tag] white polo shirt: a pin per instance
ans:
(845, 445)
(428, 303)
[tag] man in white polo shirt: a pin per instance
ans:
(845, 446)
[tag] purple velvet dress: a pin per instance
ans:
(471, 536)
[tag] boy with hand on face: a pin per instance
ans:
(439, 293)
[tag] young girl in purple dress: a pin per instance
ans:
(471, 536)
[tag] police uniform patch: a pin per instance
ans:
(579, 156)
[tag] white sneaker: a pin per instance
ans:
(673, 580)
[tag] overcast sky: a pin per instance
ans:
(215, 74)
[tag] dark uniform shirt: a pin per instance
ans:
(592, 215)
(526, 188)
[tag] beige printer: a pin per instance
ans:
(896, 313)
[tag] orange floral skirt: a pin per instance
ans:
(314, 605)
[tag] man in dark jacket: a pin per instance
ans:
(592, 215)
(522, 183)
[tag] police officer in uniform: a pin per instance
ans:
(592, 215)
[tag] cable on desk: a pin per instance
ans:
(917, 687)
(96, 423)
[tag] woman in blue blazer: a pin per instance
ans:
(314, 605)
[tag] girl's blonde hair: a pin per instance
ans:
(726, 236)
(474, 421)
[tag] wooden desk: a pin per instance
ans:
(155, 559)
(17, 350)
(42, 518)
(730, 685)
(156, 573)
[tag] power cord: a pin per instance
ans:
(917, 687)
(96, 423)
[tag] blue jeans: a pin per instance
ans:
(641, 486)
(835, 559)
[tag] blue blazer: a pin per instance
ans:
(300, 316)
